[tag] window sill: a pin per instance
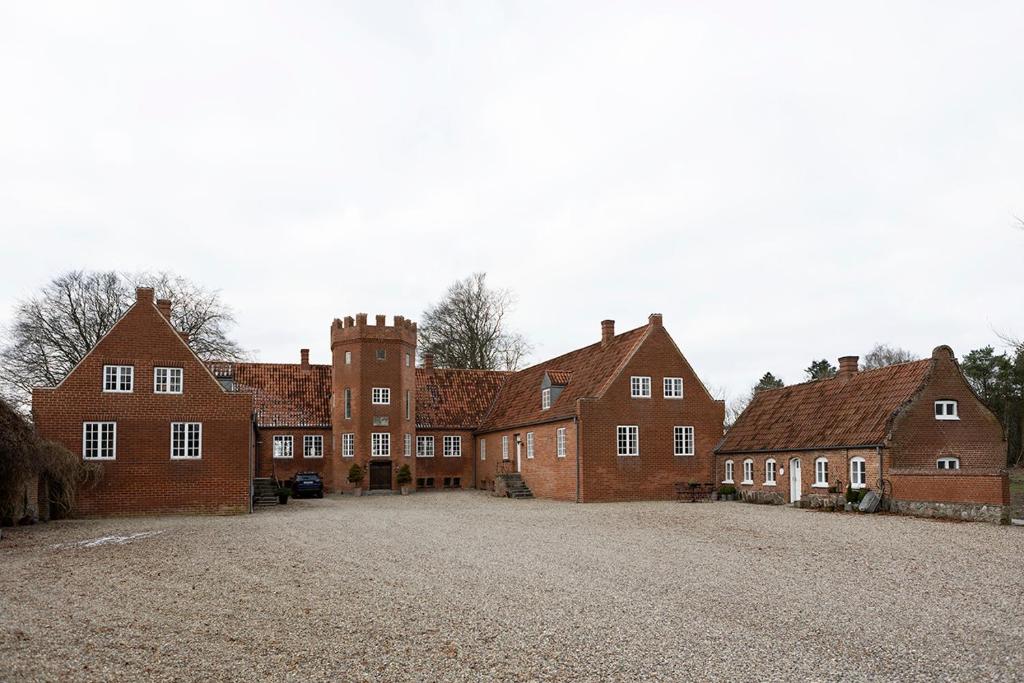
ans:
(947, 417)
(683, 455)
(639, 396)
(747, 482)
(452, 456)
(819, 486)
(673, 398)
(423, 456)
(857, 487)
(284, 457)
(312, 457)
(186, 457)
(770, 483)
(629, 455)
(728, 481)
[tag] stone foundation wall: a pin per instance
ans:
(972, 512)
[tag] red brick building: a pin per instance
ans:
(916, 431)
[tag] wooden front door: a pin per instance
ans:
(380, 476)
(794, 480)
(519, 454)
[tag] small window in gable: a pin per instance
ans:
(946, 410)
(640, 387)
(673, 387)
(948, 463)
(167, 380)
(118, 378)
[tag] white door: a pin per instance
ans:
(519, 454)
(794, 480)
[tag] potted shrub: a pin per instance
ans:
(727, 492)
(404, 478)
(283, 493)
(355, 477)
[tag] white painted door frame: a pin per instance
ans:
(519, 453)
(794, 480)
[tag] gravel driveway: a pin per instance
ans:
(462, 586)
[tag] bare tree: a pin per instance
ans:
(882, 355)
(53, 330)
(466, 329)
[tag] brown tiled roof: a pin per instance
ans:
(846, 410)
(559, 377)
(453, 398)
(518, 401)
(284, 395)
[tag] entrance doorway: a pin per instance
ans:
(519, 454)
(794, 480)
(380, 476)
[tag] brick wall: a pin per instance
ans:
(143, 478)
(951, 486)
(439, 467)
(838, 470)
(547, 475)
(285, 468)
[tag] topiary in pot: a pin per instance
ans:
(727, 491)
(404, 478)
(355, 477)
(283, 493)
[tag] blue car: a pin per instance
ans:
(307, 484)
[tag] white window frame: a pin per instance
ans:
(729, 471)
(167, 382)
(771, 470)
(99, 440)
(483, 449)
(348, 445)
(183, 450)
(672, 387)
(947, 460)
(119, 374)
(946, 405)
(545, 399)
(407, 441)
(504, 447)
(424, 446)
(347, 399)
(348, 358)
(819, 482)
(748, 472)
(312, 446)
(408, 404)
(640, 386)
(627, 441)
(863, 473)
(284, 439)
(529, 445)
(408, 360)
(381, 396)
(452, 446)
(560, 442)
(683, 442)
(380, 444)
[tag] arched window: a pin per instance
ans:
(769, 472)
(948, 463)
(748, 472)
(858, 473)
(821, 472)
(728, 472)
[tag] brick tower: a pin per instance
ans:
(373, 404)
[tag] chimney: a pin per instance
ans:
(654, 319)
(164, 305)
(848, 365)
(428, 362)
(607, 331)
(144, 295)
(304, 355)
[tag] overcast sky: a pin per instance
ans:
(783, 181)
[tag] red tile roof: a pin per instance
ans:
(453, 398)
(284, 395)
(844, 411)
(591, 368)
(559, 377)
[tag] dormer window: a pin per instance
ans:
(545, 399)
(946, 410)
(640, 387)
(948, 463)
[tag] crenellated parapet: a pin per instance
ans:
(358, 328)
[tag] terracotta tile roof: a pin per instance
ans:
(518, 401)
(559, 377)
(284, 395)
(453, 398)
(851, 410)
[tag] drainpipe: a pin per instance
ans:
(576, 426)
(881, 476)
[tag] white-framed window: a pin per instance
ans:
(858, 473)
(424, 447)
(560, 442)
(682, 440)
(748, 472)
(483, 449)
(452, 446)
(770, 469)
(946, 410)
(99, 440)
(167, 380)
(186, 440)
(118, 379)
(408, 360)
(348, 403)
(408, 445)
(948, 463)
(545, 399)
(673, 387)
(504, 447)
(728, 472)
(821, 472)
(628, 439)
(284, 446)
(529, 445)
(382, 354)
(348, 358)
(380, 445)
(312, 446)
(381, 396)
(640, 387)
(408, 404)
(348, 445)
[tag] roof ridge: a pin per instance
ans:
(859, 373)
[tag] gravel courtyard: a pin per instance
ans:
(462, 586)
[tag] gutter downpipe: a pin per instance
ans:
(576, 425)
